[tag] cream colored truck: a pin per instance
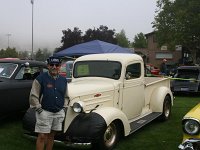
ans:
(110, 98)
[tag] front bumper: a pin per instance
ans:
(190, 144)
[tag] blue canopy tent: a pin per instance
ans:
(92, 47)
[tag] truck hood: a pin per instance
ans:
(89, 86)
(93, 93)
(194, 112)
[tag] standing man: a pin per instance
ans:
(49, 97)
(163, 67)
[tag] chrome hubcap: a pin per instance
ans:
(110, 135)
(167, 109)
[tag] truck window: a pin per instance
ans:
(133, 71)
(106, 69)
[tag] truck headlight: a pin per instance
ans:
(78, 107)
(191, 127)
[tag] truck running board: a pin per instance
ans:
(135, 125)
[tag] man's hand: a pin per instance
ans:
(39, 110)
(65, 109)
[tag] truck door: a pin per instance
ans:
(133, 90)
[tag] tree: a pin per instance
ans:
(2, 53)
(9, 52)
(23, 54)
(177, 23)
(42, 55)
(122, 40)
(39, 55)
(46, 53)
(102, 33)
(70, 38)
(139, 41)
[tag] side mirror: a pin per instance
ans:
(128, 76)
(26, 64)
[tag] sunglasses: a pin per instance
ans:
(57, 65)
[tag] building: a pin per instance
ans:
(155, 54)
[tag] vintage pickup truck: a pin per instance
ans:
(110, 98)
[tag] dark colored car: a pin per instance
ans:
(171, 68)
(16, 77)
(186, 80)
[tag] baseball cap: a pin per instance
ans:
(54, 60)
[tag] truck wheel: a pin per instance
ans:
(166, 109)
(109, 139)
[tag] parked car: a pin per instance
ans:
(149, 74)
(154, 70)
(69, 67)
(191, 130)
(186, 80)
(171, 68)
(66, 70)
(16, 78)
(63, 70)
(110, 97)
(9, 58)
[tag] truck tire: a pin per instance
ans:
(166, 109)
(109, 139)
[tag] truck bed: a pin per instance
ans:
(152, 83)
(152, 80)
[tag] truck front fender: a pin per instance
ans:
(86, 127)
(157, 98)
(110, 114)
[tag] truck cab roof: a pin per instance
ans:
(121, 57)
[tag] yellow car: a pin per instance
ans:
(191, 130)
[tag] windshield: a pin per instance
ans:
(187, 74)
(7, 69)
(106, 69)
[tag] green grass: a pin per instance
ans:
(154, 136)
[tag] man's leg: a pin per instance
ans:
(50, 140)
(56, 126)
(41, 140)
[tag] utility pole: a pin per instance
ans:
(8, 39)
(32, 2)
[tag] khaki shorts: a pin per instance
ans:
(47, 121)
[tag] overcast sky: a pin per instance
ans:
(53, 16)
